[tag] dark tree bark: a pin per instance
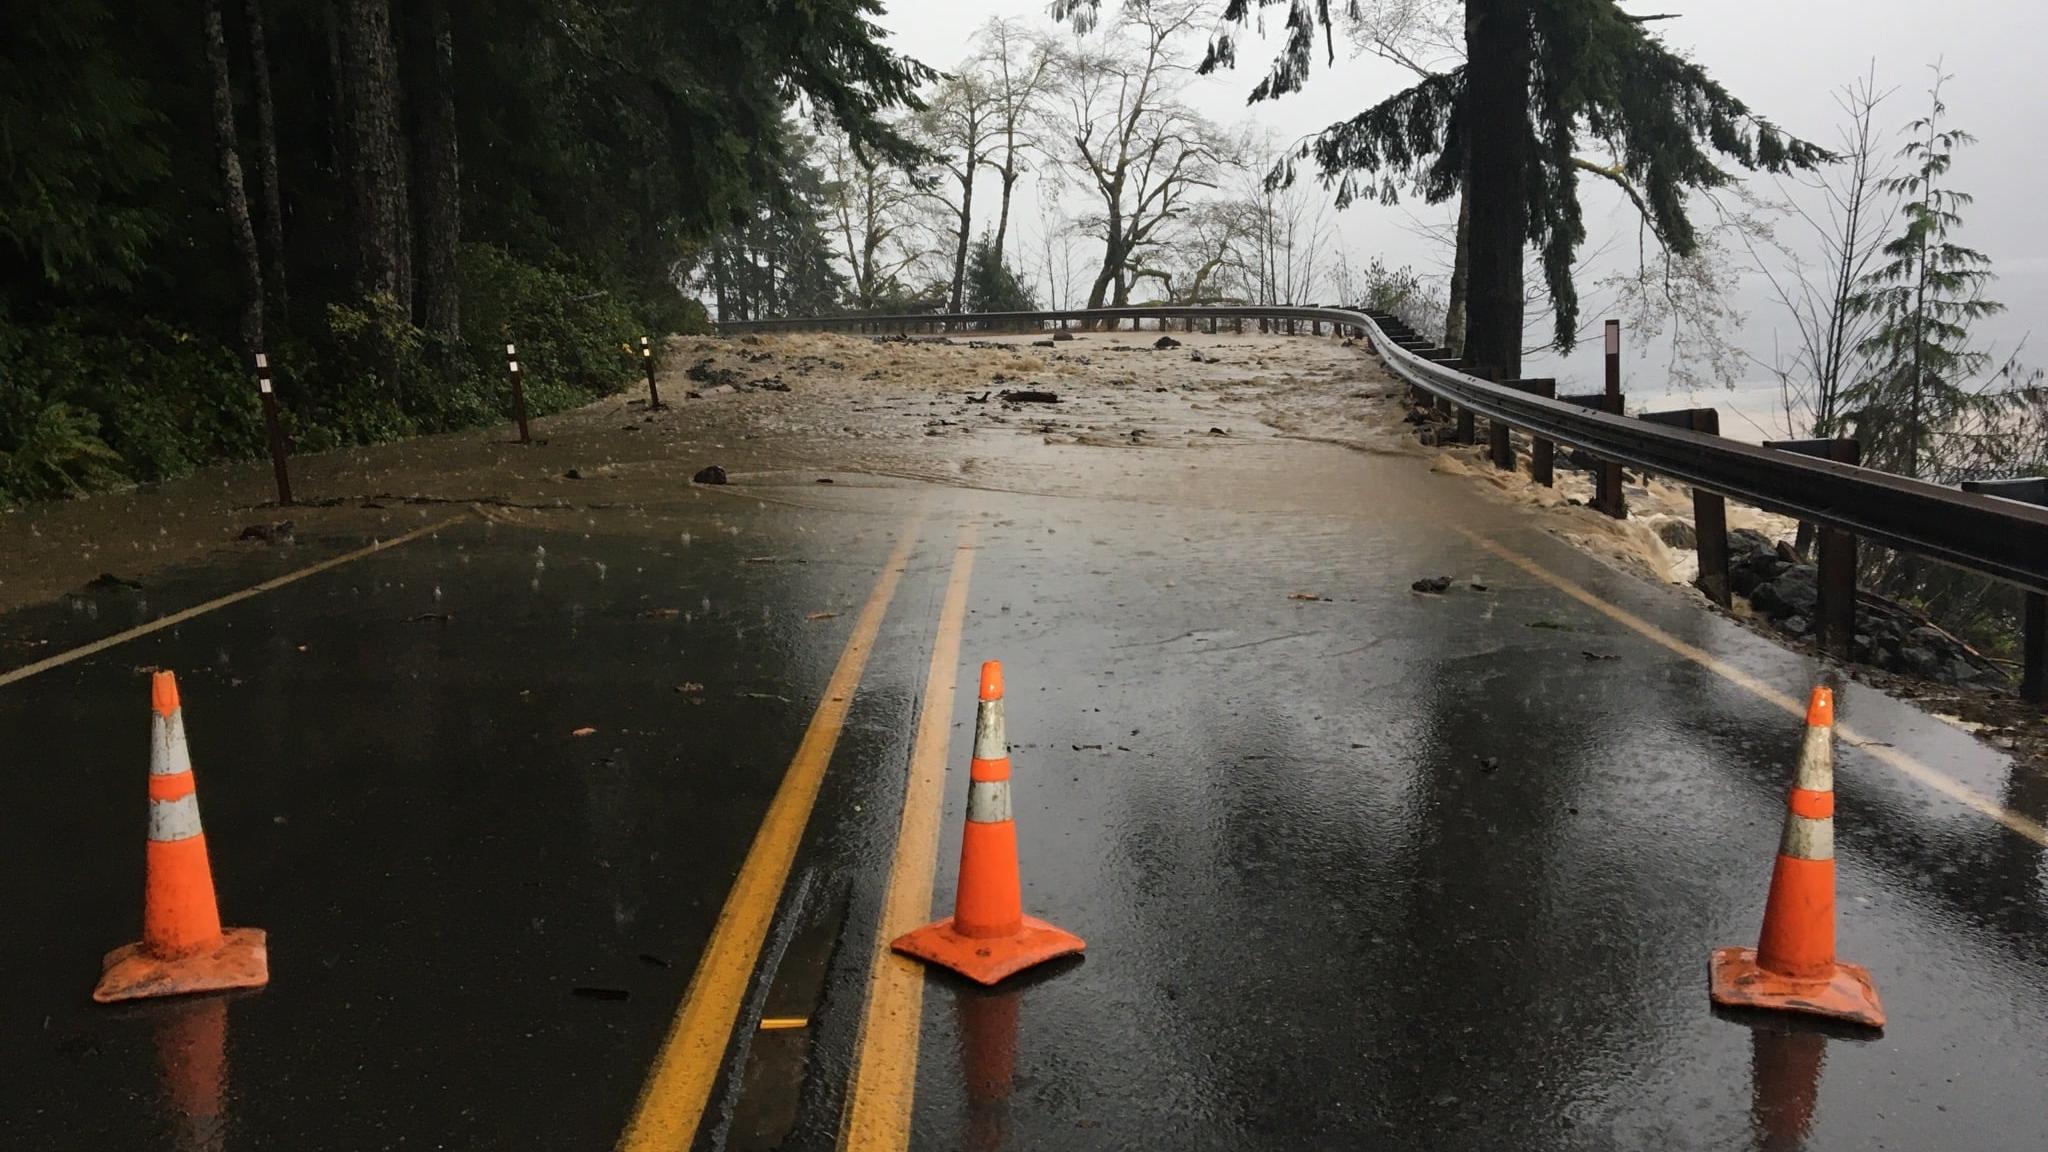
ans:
(234, 197)
(379, 212)
(1454, 309)
(973, 162)
(272, 235)
(1495, 120)
(437, 171)
(1009, 177)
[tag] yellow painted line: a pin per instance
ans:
(783, 1023)
(1898, 761)
(885, 1062)
(678, 1087)
(177, 618)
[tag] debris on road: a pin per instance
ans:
(1028, 396)
(1432, 584)
(712, 474)
(689, 688)
(704, 372)
(277, 532)
(592, 993)
(822, 616)
(109, 580)
(1488, 763)
(1307, 596)
(431, 618)
(1592, 655)
(1165, 342)
(584, 731)
(661, 613)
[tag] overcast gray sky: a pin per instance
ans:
(1784, 57)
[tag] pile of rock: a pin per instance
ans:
(1785, 590)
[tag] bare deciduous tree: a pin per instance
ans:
(1129, 140)
(959, 123)
(871, 203)
(1019, 72)
(1843, 211)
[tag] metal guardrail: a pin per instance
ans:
(2000, 538)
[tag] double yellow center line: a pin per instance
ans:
(678, 1088)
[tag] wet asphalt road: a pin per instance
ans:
(1375, 869)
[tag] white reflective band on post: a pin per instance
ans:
(988, 801)
(262, 361)
(1807, 839)
(989, 740)
(263, 386)
(515, 365)
(509, 349)
(1817, 761)
(174, 819)
(167, 753)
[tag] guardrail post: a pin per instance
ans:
(1611, 500)
(2033, 605)
(1709, 510)
(1837, 559)
(1837, 552)
(1499, 449)
(1542, 453)
(1710, 527)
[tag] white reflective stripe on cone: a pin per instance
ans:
(174, 819)
(1807, 839)
(167, 753)
(989, 740)
(1817, 761)
(988, 801)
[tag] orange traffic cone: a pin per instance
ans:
(183, 947)
(988, 936)
(1793, 966)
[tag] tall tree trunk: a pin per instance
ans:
(966, 224)
(1009, 173)
(1461, 259)
(437, 166)
(1496, 122)
(234, 197)
(267, 178)
(379, 211)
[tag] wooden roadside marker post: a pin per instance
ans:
(518, 392)
(274, 428)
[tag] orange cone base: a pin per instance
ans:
(240, 960)
(1848, 994)
(988, 959)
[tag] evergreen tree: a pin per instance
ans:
(992, 286)
(1923, 298)
(432, 177)
(780, 261)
